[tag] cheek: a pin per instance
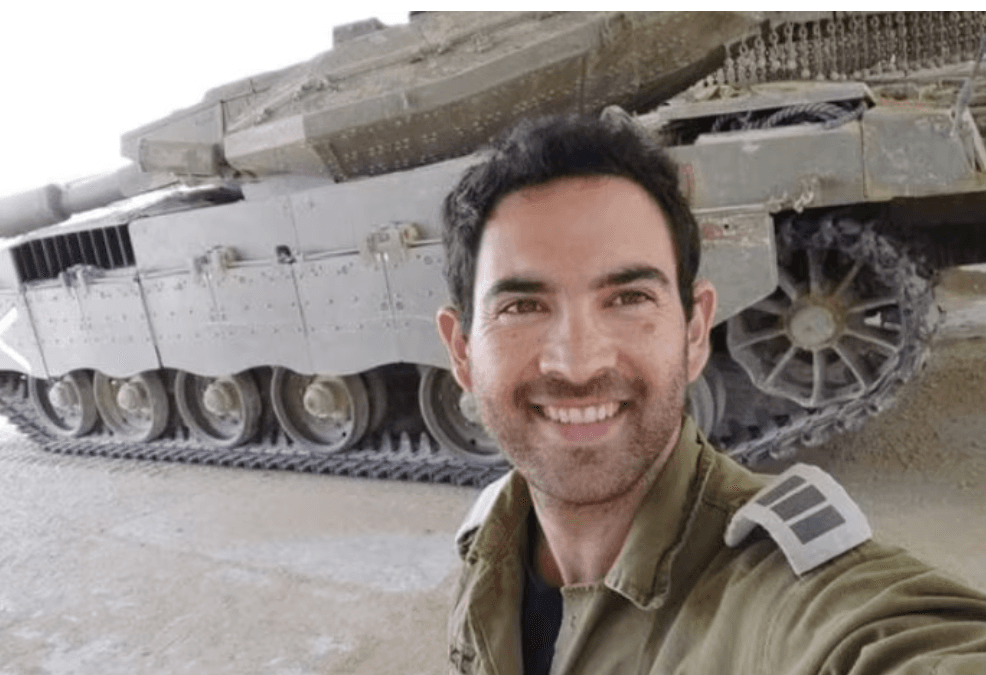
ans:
(513, 342)
(500, 354)
(652, 342)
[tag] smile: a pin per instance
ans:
(580, 415)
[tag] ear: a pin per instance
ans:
(703, 313)
(450, 330)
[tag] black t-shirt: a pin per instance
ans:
(540, 613)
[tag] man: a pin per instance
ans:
(577, 323)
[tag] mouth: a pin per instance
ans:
(582, 424)
(591, 414)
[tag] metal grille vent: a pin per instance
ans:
(107, 248)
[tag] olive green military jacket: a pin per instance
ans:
(679, 600)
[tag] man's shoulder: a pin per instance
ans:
(803, 511)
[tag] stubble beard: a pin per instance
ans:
(581, 475)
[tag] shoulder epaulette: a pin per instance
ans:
(478, 512)
(808, 514)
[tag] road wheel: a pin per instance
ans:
(65, 405)
(133, 408)
(223, 411)
(323, 412)
(452, 418)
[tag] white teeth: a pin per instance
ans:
(587, 415)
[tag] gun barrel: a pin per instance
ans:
(52, 204)
(30, 210)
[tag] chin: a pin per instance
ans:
(586, 478)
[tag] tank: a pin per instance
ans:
(258, 288)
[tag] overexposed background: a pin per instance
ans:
(75, 76)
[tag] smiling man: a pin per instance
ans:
(577, 323)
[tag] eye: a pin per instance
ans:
(625, 298)
(522, 306)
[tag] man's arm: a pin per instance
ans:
(875, 611)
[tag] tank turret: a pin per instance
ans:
(387, 99)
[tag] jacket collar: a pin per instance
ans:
(496, 526)
(642, 571)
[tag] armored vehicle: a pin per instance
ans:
(259, 287)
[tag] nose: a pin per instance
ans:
(577, 347)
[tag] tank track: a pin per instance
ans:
(386, 456)
(797, 426)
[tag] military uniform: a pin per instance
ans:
(680, 600)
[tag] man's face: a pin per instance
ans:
(580, 352)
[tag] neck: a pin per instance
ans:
(578, 543)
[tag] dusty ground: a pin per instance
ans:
(110, 566)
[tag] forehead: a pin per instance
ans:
(575, 228)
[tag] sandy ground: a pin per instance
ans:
(111, 566)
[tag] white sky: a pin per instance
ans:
(75, 76)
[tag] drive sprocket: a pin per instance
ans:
(849, 322)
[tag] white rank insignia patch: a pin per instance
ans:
(808, 514)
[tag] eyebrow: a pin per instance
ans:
(621, 277)
(628, 275)
(516, 285)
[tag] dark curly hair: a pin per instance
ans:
(536, 152)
